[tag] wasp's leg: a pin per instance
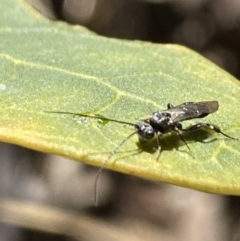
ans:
(209, 126)
(142, 140)
(169, 106)
(159, 148)
(178, 129)
(178, 126)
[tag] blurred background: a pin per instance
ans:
(46, 197)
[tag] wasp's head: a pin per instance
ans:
(145, 131)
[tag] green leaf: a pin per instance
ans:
(52, 66)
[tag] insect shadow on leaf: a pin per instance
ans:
(158, 125)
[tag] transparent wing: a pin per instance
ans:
(192, 110)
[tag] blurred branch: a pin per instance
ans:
(48, 219)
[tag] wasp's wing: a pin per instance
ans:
(191, 110)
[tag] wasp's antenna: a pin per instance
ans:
(112, 153)
(91, 116)
(104, 164)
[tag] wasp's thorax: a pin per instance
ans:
(161, 122)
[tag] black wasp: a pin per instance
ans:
(162, 122)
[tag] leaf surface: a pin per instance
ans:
(52, 66)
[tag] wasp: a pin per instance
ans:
(160, 123)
